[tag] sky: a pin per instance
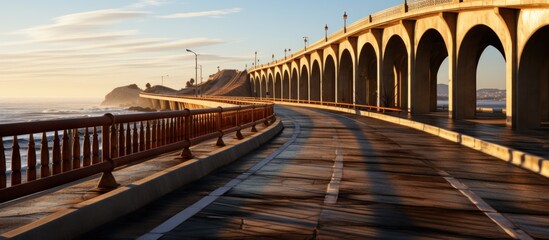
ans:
(84, 48)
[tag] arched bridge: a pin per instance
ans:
(391, 59)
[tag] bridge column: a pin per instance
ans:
(164, 105)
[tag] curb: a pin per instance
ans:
(518, 158)
(83, 217)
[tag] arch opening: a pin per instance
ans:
(345, 79)
(270, 87)
(328, 83)
(286, 86)
(472, 48)
(277, 89)
(533, 82)
(315, 82)
(394, 87)
(293, 81)
(428, 89)
(263, 85)
(366, 81)
(304, 84)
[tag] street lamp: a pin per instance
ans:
(285, 51)
(273, 57)
(162, 77)
(195, 72)
(326, 32)
(200, 80)
(305, 39)
(255, 59)
(345, 22)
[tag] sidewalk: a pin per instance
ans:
(77, 207)
(535, 142)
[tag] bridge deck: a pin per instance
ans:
(343, 176)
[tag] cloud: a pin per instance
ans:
(84, 26)
(213, 13)
(146, 3)
(179, 44)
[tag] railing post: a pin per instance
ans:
(15, 162)
(3, 180)
(76, 150)
(31, 159)
(66, 154)
(86, 151)
(95, 147)
(265, 114)
(238, 132)
(253, 119)
(220, 142)
(107, 180)
(44, 157)
(56, 154)
(186, 154)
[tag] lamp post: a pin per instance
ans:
(162, 77)
(273, 57)
(305, 39)
(255, 60)
(285, 51)
(200, 80)
(195, 72)
(326, 32)
(345, 22)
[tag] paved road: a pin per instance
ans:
(333, 176)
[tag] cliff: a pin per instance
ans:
(125, 96)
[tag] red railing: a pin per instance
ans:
(72, 149)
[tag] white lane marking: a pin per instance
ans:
(332, 190)
(498, 218)
(503, 222)
(190, 211)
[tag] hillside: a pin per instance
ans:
(223, 83)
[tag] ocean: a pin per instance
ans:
(28, 109)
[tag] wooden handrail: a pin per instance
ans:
(124, 140)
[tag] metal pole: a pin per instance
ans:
(195, 72)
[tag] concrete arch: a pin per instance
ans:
(293, 83)
(425, 76)
(329, 76)
(270, 86)
(304, 83)
(286, 85)
(397, 58)
(431, 52)
(263, 86)
(372, 40)
(394, 85)
(329, 80)
(316, 76)
(533, 82)
(367, 74)
(473, 44)
(252, 84)
(345, 79)
(477, 30)
(277, 92)
(294, 79)
(316, 71)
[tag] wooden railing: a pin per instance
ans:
(72, 149)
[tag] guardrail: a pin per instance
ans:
(82, 147)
